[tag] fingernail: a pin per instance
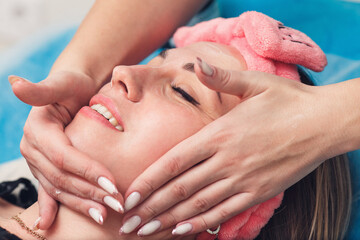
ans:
(36, 224)
(149, 228)
(130, 225)
(107, 185)
(13, 79)
(205, 68)
(182, 229)
(114, 204)
(132, 200)
(96, 215)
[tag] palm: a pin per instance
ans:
(55, 101)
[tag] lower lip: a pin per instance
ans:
(91, 113)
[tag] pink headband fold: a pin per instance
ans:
(267, 46)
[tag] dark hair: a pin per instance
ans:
(316, 207)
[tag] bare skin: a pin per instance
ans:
(155, 116)
(83, 68)
(330, 135)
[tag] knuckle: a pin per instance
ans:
(24, 149)
(230, 162)
(221, 138)
(203, 224)
(93, 194)
(226, 78)
(27, 131)
(53, 192)
(59, 180)
(149, 185)
(221, 135)
(87, 171)
(170, 219)
(79, 207)
(224, 214)
(150, 211)
(173, 167)
(180, 191)
(58, 160)
(201, 204)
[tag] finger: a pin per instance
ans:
(165, 234)
(74, 185)
(197, 204)
(64, 156)
(180, 158)
(87, 168)
(87, 207)
(43, 93)
(240, 83)
(216, 215)
(179, 189)
(48, 208)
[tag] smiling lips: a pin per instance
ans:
(107, 114)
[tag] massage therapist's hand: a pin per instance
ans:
(279, 133)
(65, 174)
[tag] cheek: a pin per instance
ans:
(152, 133)
(161, 129)
(92, 138)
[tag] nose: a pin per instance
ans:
(130, 80)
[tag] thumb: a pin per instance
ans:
(48, 209)
(244, 84)
(43, 93)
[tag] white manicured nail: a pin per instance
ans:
(96, 215)
(36, 224)
(205, 68)
(182, 229)
(114, 204)
(149, 228)
(107, 185)
(132, 200)
(130, 224)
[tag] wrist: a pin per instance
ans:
(341, 123)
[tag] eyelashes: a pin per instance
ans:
(185, 95)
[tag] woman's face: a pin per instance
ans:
(155, 106)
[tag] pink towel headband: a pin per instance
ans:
(267, 46)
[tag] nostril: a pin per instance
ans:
(124, 86)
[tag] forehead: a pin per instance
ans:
(219, 55)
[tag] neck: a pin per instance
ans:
(69, 223)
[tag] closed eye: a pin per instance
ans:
(185, 95)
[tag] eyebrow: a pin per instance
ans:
(188, 67)
(163, 54)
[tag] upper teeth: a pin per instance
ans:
(107, 114)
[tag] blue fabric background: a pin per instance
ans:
(333, 24)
